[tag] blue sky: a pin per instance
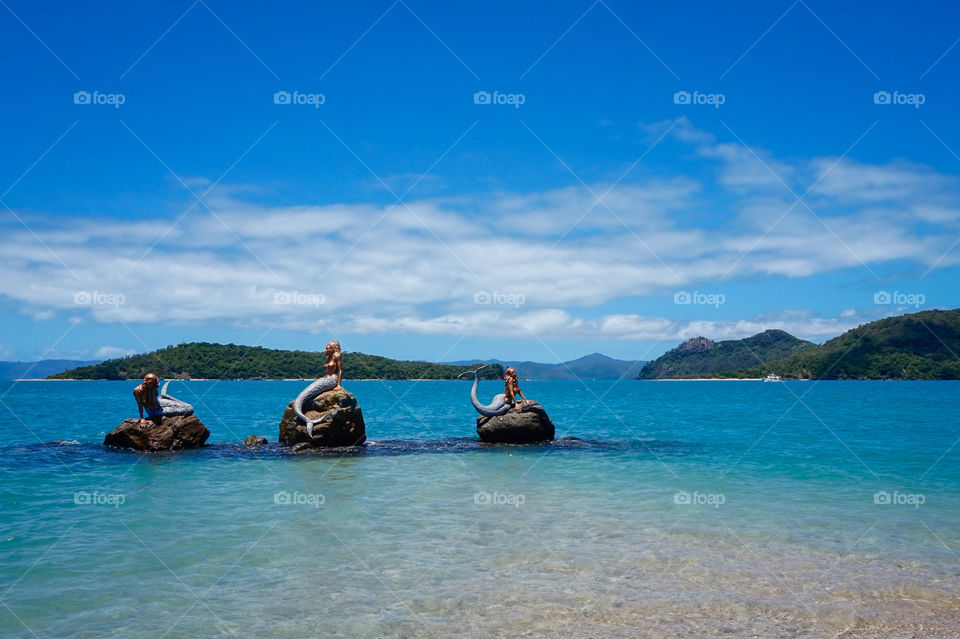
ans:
(773, 164)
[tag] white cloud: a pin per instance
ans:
(415, 269)
(557, 323)
(853, 181)
(111, 352)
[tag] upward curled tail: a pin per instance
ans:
(498, 406)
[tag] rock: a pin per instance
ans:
(255, 440)
(695, 344)
(176, 432)
(302, 446)
(344, 428)
(529, 424)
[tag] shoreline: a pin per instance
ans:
(708, 379)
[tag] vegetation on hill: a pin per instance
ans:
(231, 361)
(593, 366)
(923, 345)
(701, 357)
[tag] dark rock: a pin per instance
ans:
(344, 425)
(696, 344)
(255, 440)
(524, 426)
(176, 432)
(302, 446)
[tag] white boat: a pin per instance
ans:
(772, 378)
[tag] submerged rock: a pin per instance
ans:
(342, 426)
(524, 426)
(255, 440)
(174, 432)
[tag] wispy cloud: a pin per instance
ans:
(406, 274)
(110, 352)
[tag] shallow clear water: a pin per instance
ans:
(584, 537)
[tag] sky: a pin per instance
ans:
(446, 181)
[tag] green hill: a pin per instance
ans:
(230, 361)
(701, 357)
(922, 345)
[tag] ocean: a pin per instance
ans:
(668, 509)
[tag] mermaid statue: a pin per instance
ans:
(330, 381)
(157, 404)
(501, 403)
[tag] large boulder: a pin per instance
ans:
(527, 425)
(174, 432)
(343, 427)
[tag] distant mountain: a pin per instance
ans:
(702, 357)
(39, 370)
(593, 366)
(923, 345)
(206, 360)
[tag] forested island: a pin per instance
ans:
(702, 357)
(206, 360)
(924, 345)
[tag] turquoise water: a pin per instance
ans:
(681, 509)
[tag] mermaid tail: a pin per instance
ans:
(498, 406)
(171, 405)
(307, 395)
